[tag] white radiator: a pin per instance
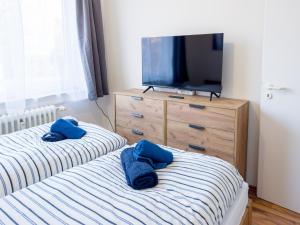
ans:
(30, 118)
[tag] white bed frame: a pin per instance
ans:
(247, 217)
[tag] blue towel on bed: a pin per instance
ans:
(67, 129)
(157, 157)
(53, 137)
(139, 175)
(58, 136)
(74, 122)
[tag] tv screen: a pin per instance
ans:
(192, 62)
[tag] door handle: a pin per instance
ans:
(272, 87)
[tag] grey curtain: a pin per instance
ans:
(91, 38)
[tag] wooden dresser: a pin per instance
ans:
(218, 127)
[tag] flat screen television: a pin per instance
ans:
(191, 62)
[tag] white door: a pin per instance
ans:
(279, 153)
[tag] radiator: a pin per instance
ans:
(30, 118)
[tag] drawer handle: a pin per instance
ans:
(197, 106)
(196, 147)
(137, 132)
(137, 98)
(137, 115)
(196, 127)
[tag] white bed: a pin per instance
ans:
(25, 159)
(236, 211)
(194, 189)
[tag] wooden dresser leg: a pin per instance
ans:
(250, 212)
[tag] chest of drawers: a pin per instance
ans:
(218, 128)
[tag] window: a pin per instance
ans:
(40, 50)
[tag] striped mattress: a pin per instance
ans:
(25, 159)
(194, 189)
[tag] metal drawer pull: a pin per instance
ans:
(196, 147)
(196, 127)
(137, 132)
(197, 106)
(137, 115)
(137, 98)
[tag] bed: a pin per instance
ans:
(194, 189)
(25, 159)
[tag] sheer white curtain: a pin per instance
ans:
(12, 69)
(42, 36)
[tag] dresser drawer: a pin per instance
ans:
(151, 126)
(211, 117)
(138, 118)
(133, 135)
(194, 137)
(129, 105)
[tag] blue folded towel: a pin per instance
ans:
(67, 129)
(74, 122)
(59, 136)
(157, 157)
(53, 137)
(139, 175)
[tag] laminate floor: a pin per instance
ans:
(266, 213)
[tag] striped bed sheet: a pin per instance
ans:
(194, 189)
(25, 159)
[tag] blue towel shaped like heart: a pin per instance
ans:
(68, 129)
(63, 129)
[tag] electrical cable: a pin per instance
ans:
(105, 115)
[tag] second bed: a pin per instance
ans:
(25, 159)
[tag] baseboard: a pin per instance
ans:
(252, 191)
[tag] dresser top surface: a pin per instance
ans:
(227, 103)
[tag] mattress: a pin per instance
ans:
(25, 159)
(236, 211)
(194, 189)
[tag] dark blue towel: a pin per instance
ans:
(67, 129)
(139, 175)
(53, 137)
(157, 157)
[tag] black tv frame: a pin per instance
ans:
(216, 93)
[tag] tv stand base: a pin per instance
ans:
(215, 94)
(148, 88)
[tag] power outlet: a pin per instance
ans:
(22, 124)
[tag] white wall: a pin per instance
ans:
(126, 21)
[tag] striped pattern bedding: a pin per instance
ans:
(26, 159)
(194, 189)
